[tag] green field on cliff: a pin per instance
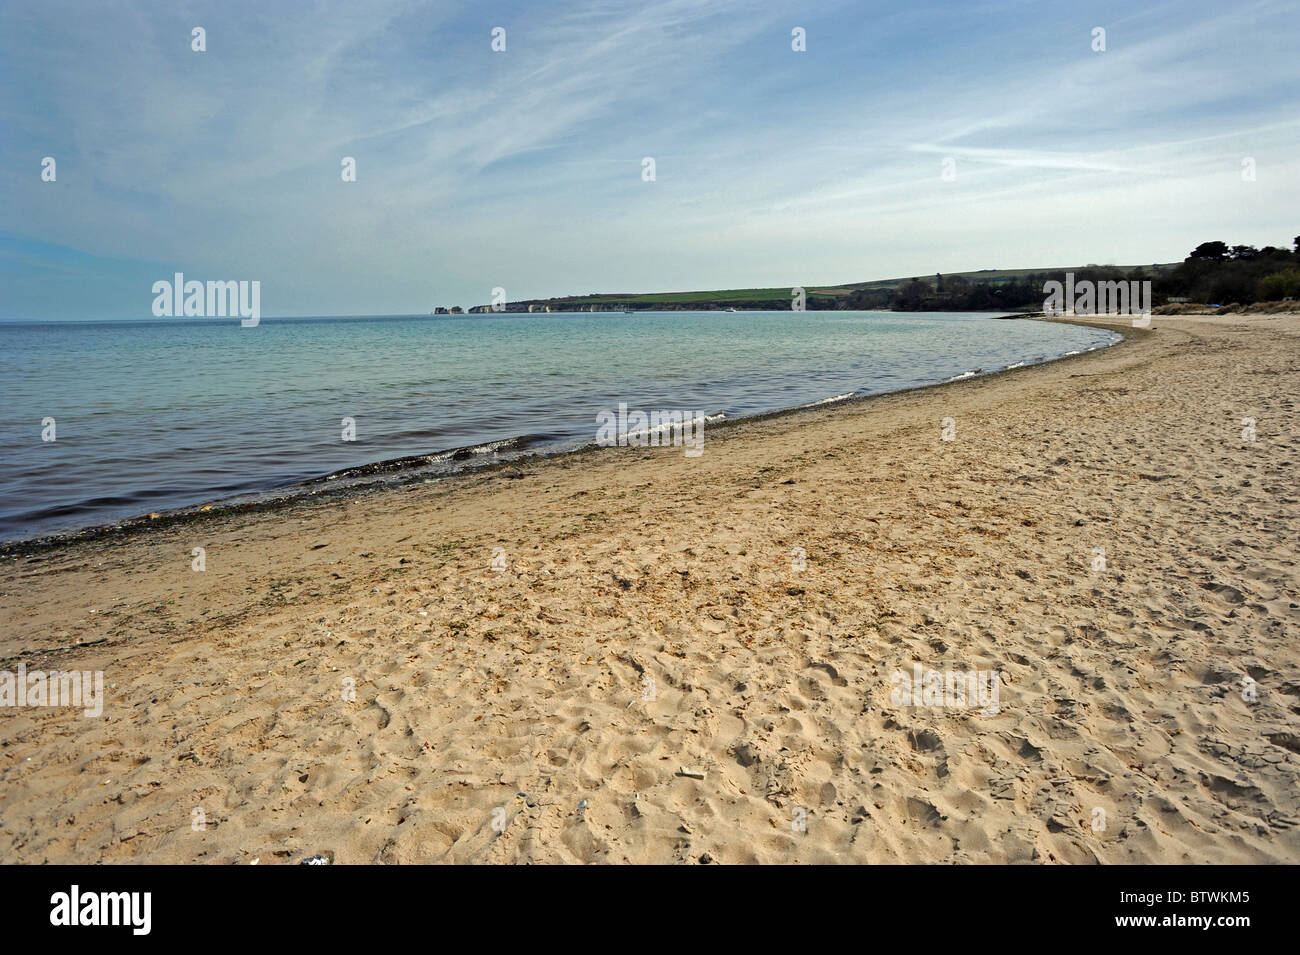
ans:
(818, 296)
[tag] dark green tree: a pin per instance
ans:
(1210, 250)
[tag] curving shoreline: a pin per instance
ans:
(401, 471)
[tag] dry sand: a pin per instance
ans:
(524, 690)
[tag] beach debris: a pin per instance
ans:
(317, 859)
(582, 805)
(691, 773)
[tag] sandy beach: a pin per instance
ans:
(691, 659)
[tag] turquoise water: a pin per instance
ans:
(157, 415)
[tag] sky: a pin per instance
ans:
(523, 169)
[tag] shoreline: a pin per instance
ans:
(311, 490)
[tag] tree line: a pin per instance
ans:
(1213, 273)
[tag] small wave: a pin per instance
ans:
(668, 426)
(413, 461)
(491, 447)
(831, 400)
(966, 374)
(1014, 364)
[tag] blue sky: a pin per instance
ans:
(522, 169)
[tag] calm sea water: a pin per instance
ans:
(157, 415)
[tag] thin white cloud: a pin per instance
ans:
(523, 169)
